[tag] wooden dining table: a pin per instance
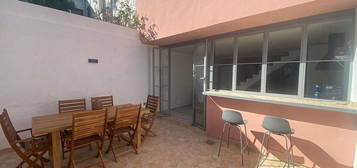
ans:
(53, 124)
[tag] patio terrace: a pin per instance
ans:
(177, 145)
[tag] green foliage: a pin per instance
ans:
(63, 5)
(126, 15)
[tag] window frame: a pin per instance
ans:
(213, 64)
(302, 22)
(303, 25)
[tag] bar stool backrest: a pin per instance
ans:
(233, 117)
(277, 125)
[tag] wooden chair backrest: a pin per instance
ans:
(65, 106)
(97, 105)
(127, 116)
(106, 101)
(8, 128)
(86, 124)
(152, 103)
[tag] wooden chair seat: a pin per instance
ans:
(79, 143)
(39, 144)
(85, 141)
(119, 131)
(146, 119)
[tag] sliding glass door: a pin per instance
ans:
(199, 83)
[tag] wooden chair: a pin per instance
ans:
(87, 128)
(30, 150)
(97, 105)
(126, 121)
(106, 101)
(70, 106)
(147, 121)
(65, 106)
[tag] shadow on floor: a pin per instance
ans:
(312, 151)
(316, 154)
(275, 148)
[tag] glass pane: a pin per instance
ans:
(282, 78)
(198, 97)
(223, 51)
(248, 77)
(327, 80)
(156, 65)
(222, 77)
(199, 53)
(164, 80)
(250, 48)
(330, 40)
(284, 45)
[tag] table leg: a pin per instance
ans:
(138, 134)
(56, 150)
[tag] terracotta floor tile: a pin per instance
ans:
(177, 145)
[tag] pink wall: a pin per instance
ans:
(183, 20)
(323, 139)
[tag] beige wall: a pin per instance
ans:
(44, 55)
(182, 20)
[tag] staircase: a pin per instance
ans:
(256, 77)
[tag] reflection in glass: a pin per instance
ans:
(250, 48)
(284, 45)
(249, 77)
(330, 40)
(222, 77)
(330, 82)
(282, 78)
(223, 51)
(199, 53)
(198, 97)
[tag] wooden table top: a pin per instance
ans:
(57, 122)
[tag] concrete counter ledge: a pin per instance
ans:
(339, 106)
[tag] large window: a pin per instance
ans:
(249, 66)
(223, 63)
(328, 55)
(283, 61)
(311, 60)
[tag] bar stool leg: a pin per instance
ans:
(291, 148)
(287, 151)
(229, 130)
(261, 150)
(268, 142)
(220, 144)
(246, 138)
(241, 144)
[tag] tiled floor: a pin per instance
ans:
(177, 145)
(183, 114)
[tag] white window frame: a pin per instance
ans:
(302, 63)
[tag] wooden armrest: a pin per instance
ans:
(23, 130)
(25, 140)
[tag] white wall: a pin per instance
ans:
(181, 78)
(44, 56)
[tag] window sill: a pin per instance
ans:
(307, 103)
